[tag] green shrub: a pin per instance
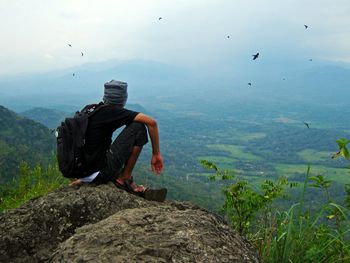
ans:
(31, 182)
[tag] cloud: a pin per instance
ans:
(191, 33)
(48, 56)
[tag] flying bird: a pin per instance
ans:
(70, 45)
(283, 79)
(82, 54)
(160, 18)
(310, 59)
(306, 26)
(73, 74)
(249, 83)
(307, 125)
(255, 56)
(228, 36)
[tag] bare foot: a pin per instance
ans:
(134, 186)
(76, 182)
(138, 188)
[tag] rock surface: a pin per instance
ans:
(105, 224)
(34, 230)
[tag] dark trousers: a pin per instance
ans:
(135, 134)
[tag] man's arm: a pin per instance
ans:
(157, 160)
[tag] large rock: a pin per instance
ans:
(105, 224)
(33, 231)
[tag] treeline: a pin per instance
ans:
(22, 139)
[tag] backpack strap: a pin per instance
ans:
(97, 108)
(91, 109)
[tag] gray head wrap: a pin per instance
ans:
(116, 93)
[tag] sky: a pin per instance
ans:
(192, 33)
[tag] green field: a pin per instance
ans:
(236, 152)
(340, 175)
(221, 161)
(245, 137)
(310, 155)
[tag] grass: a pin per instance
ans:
(299, 235)
(31, 183)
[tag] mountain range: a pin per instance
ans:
(157, 85)
(51, 118)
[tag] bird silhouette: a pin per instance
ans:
(307, 125)
(310, 59)
(249, 83)
(283, 79)
(255, 56)
(306, 26)
(160, 18)
(228, 36)
(70, 45)
(82, 54)
(73, 74)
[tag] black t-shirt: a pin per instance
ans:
(100, 129)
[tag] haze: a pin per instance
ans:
(192, 34)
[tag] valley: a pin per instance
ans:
(252, 146)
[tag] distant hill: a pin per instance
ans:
(22, 139)
(51, 118)
(136, 107)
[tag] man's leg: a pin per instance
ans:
(123, 154)
(130, 164)
(129, 167)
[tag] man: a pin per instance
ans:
(116, 161)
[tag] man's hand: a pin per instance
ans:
(157, 163)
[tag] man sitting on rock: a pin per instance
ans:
(115, 161)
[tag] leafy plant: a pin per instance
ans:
(242, 202)
(319, 181)
(222, 174)
(343, 150)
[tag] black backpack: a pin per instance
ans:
(72, 159)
